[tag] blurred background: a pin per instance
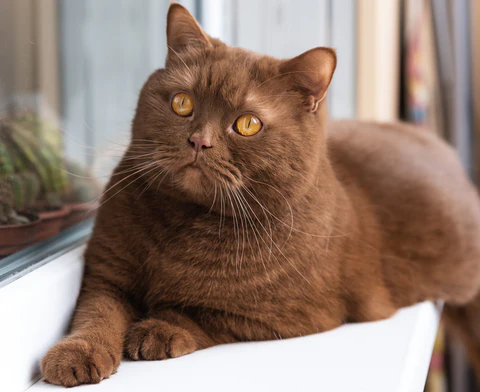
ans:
(71, 70)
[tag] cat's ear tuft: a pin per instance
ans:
(311, 73)
(183, 30)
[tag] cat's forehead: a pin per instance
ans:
(233, 76)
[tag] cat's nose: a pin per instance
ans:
(199, 142)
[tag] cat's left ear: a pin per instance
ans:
(311, 73)
(183, 31)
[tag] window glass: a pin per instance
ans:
(70, 72)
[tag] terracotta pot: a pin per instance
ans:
(79, 212)
(51, 222)
(16, 237)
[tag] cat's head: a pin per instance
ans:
(220, 121)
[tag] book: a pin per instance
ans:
(422, 95)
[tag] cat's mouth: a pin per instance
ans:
(197, 175)
(194, 168)
(193, 178)
(195, 165)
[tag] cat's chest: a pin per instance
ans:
(208, 269)
(227, 263)
(276, 275)
(229, 270)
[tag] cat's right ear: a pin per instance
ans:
(183, 31)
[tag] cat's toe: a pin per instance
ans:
(74, 361)
(156, 339)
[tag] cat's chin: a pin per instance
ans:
(193, 180)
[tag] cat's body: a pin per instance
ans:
(426, 212)
(296, 230)
(404, 230)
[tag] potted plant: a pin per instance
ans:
(18, 228)
(63, 200)
(73, 187)
(37, 146)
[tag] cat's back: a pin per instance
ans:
(397, 161)
(427, 210)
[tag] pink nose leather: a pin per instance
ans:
(199, 142)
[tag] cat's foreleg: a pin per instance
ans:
(93, 349)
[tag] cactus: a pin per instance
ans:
(18, 189)
(12, 192)
(6, 166)
(6, 201)
(31, 186)
(42, 157)
(28, 147)
(6, 191)
(32, 164)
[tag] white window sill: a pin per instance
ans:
(391, 355)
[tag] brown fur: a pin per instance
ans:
(296, 230)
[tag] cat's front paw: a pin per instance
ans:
(76, 361)
(156, 339)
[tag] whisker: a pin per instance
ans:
(241, 215)
(181, 59)
(149, 183)
(221, 212)
(257, 234)
(165, 176)
(280, 193)
(104, 176)
(93, 202)
(214, 197)
(271, 233)
(125, 178)
(278, 248)
(131, 182)
(248, 219)
(235, 228)
(290, 226)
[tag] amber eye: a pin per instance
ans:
(182, 104)
(247, 125)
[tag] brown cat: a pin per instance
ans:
(240, 213)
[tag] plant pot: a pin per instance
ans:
(79, 212)
(16, 237)
(51, 222)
